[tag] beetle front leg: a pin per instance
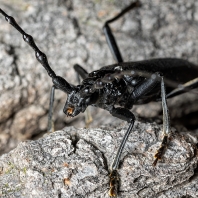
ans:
(50, 125)
(126, 115)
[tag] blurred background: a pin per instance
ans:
(70, 32)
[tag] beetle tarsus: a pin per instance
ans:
(114, 183)
(161, 150)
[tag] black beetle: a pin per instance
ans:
(123, 84)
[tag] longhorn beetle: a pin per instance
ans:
(123, 84)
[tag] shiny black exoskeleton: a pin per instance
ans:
(116, 88)
(116, 85)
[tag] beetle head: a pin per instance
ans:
(77, 101)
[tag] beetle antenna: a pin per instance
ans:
(59, 82)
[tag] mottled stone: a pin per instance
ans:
(76, 162)
(70, 32)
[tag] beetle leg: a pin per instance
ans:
(112, 44)
(88, 117)
(80, 72)
(50, 126)
(125, 115)
(184, 88)
(166, 124)
(109, 36)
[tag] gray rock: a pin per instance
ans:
(75, 163)
(70, 32)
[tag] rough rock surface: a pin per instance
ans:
(70, 32)
(75, 163)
